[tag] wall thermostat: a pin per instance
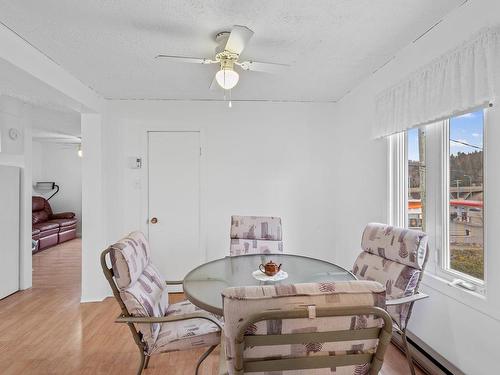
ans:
(135, 162)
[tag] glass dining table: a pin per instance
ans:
(203, 285)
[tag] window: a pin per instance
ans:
(437, 179)
(465, 247)
(416, 178)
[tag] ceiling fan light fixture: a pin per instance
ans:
(227, 78)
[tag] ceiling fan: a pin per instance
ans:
(227, 53)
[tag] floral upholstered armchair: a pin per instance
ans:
(312, 328)
(396, 258)
(255, 235)
(156, 325)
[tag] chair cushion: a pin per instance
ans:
(142, 288)
(244, 247)
(35, 231)
(47, 225)
(40, 210)
(63, 215)
(185, 334)
(405, 246)
(256, 227)
(147, 296)
(37, 203)
(64, 222)
(242, 302)
(39, 217)
(129, 257)
(399, 280)
(67, 228)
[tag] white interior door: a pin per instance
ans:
(9, 230)
(174, 202)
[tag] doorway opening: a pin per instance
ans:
(57, 199)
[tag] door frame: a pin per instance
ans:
(202, 232)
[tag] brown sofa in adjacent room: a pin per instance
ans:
(49, 229)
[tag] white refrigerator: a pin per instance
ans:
(9, 229)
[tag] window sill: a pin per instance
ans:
(472, 299)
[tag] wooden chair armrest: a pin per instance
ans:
(166, 319)
(174, 282)
(403, 300)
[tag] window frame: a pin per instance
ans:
(437, 200)
(397, 172)
(444, 270)
(407, 180)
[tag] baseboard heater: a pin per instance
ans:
(427, 359)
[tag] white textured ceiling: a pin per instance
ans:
(18, 84)
(331, 44)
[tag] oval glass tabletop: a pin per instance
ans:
(203, 285)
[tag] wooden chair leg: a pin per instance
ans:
(146, 363)
(407, 351)
(202, 358)
(141, 365)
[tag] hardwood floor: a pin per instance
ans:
(45, 330)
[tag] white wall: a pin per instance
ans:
(93, 222)
(290, 160)
(15, 114)
(60, 163)
(465, 334)
(258, 158)
(36, 171)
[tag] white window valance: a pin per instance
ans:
(459, 81)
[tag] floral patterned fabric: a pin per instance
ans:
(144, 293)
(255, 235)
(129, 257)
(395, 257)
(244, 247)
(399, 280)
(405, 246)
(148, 296)
(142, 288)
(256, 227)
(242, 302)
(186, 334)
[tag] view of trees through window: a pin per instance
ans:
(416, 178)
(466, 225)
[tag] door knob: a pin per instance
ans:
(153, 220)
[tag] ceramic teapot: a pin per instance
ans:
(270, 268)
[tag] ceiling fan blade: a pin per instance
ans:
(258, 66)
(194, 60)
(238, 39)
